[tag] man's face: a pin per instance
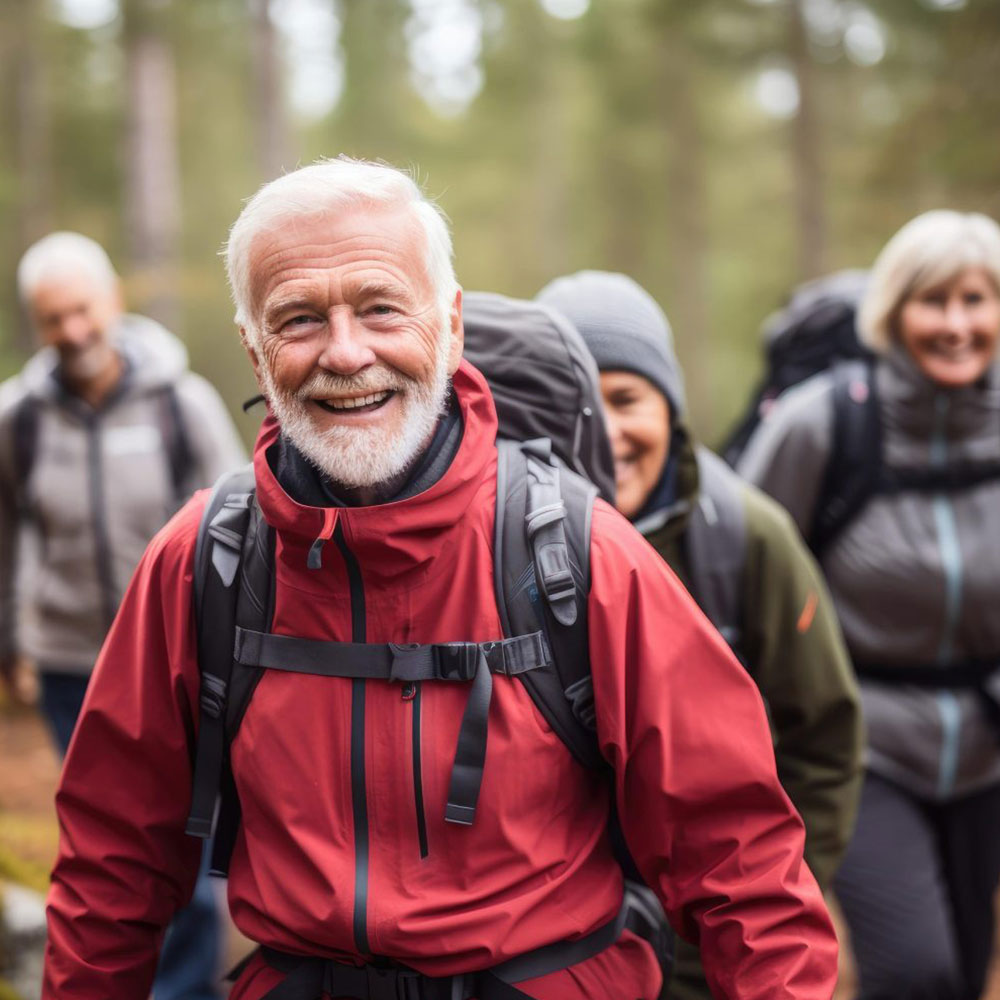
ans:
(355, 353)
(73, 313)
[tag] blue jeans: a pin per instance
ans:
(191, 957)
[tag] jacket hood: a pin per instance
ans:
(916, 410)
(155, 356)
(400, 533)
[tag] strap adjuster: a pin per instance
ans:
(392, 983)
(213, 695)
(558, 584)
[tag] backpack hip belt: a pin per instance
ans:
(310, 978)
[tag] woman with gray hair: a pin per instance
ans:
(914, 572)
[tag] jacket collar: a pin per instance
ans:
(671, 520)
(916, 410)
(406, 528)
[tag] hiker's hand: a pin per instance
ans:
(18, 679)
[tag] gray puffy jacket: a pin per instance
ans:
(100, 486)
(915, 575)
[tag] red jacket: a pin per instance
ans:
(679, 720)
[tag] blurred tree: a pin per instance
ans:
(808, 150)
(273, 138)
(26, 56)
(153, 187)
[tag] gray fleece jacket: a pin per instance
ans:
(915, 575)
(98, 488)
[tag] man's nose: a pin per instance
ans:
(73, 330)
(346, 349)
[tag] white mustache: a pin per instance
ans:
(370, 381)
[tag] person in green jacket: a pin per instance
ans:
(739, 555)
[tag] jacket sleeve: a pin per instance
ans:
(125, 864)
(797, 656)
(9, 529)
(214, 440)
(786, 456)
(703, 814)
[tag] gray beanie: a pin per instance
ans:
(623, 327)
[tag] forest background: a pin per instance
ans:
(719, 151)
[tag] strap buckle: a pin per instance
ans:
(392, 983)
(456, 661)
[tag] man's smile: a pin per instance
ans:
(356, 404)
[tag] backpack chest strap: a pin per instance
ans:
(409, 662)
(391, 661)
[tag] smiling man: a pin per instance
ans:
(102, 437)
(376, 854)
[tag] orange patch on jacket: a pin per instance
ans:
(808, 612)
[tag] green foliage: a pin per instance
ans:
(627, 139)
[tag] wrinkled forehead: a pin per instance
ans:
(66, 288)
(354, 240)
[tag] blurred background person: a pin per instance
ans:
(911, 551)
(737, 553)
(102, 436)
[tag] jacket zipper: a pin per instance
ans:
(411, 693)
(359, 791)
(105, 575)
(948, 706)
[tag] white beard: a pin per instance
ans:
(87, 363)
(363, 456)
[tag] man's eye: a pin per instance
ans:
(300, 320)
(973, 298)
(381, 310)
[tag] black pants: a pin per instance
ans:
(917, 889)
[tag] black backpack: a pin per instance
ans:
(814, 332)
(541, 580)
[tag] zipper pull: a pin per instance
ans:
(330, 516)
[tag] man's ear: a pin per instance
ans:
(252, 354)
(457, 333)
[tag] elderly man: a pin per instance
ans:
(353, 868)
(102, 437)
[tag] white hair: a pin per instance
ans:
(59, 254)
(316, 190)
(928, 251)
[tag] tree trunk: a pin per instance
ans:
(807, 157)
(686, 225)
(152, 169)
(33, 137)
(272, 132)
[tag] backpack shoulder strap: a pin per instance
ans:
(542, 578)
(24, 431)
(176, 441)
(855, 463)
(233, 586)
(716, 546)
